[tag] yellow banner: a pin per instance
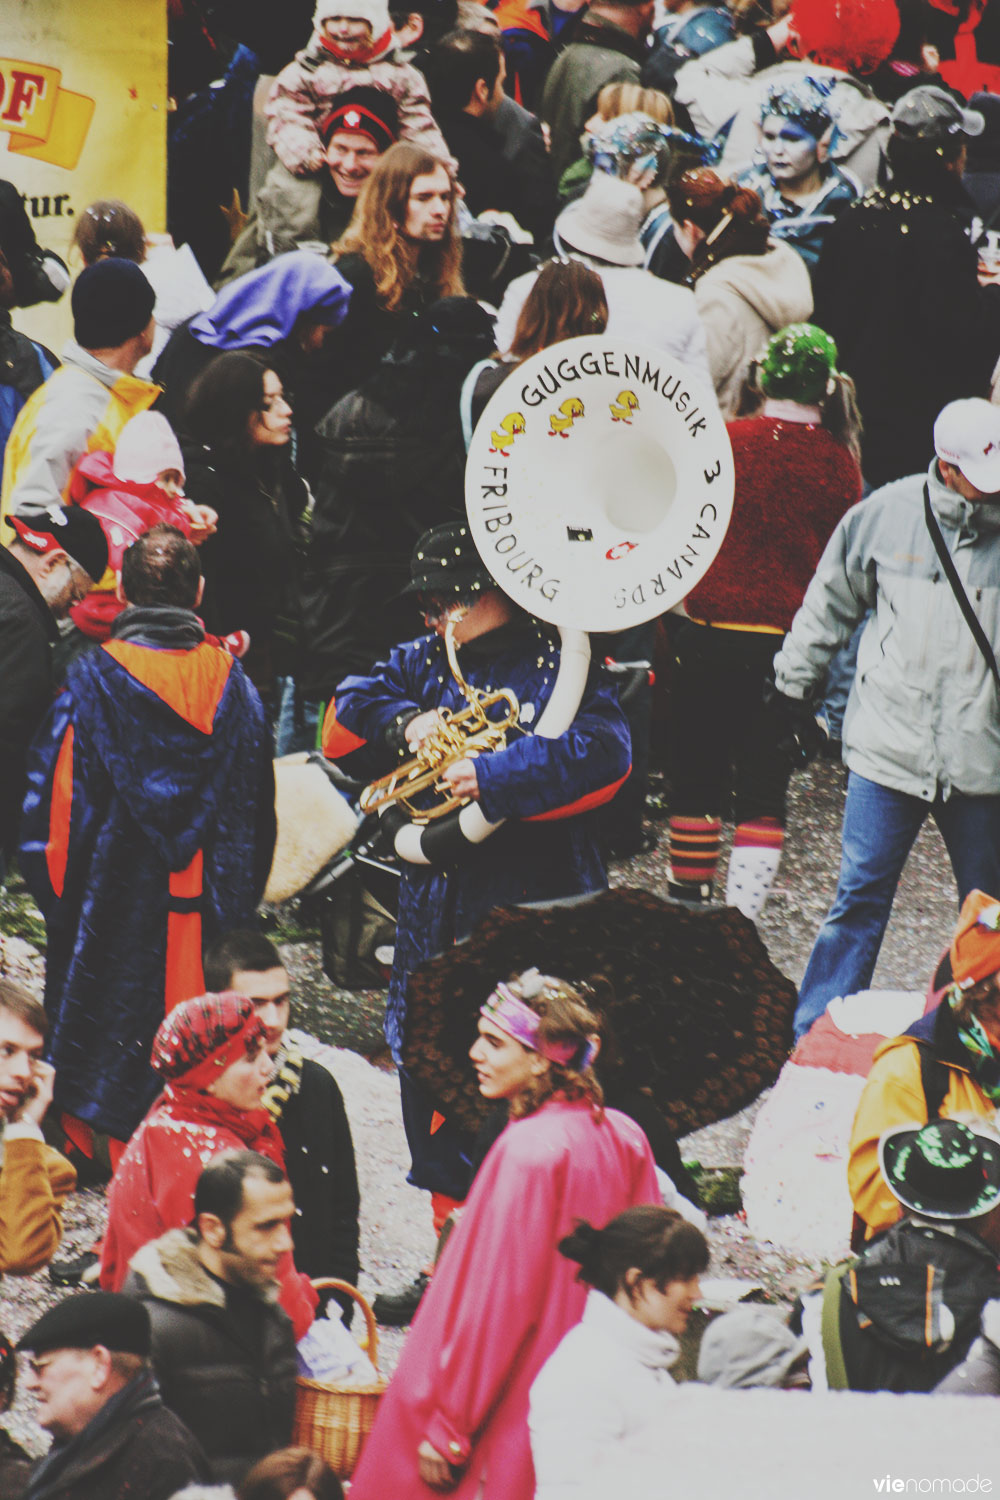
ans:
(82, 116)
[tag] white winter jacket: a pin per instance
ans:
(922, 717)
(741, 302)
(599, 1398)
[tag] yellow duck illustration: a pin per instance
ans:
(512, 425)
(628, 402)
(571, 408)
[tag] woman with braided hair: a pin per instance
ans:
(455, 1417)
(746, 285)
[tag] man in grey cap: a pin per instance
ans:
(897, 287)
(88, 1367)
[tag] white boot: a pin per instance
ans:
(752, 869)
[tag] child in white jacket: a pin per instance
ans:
(607, 1387)
(353, 43)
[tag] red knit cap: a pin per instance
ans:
(975, 948)
(855, 35)
(200, 1038)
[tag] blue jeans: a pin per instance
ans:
(298, 720)
(879, 829)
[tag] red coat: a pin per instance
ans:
(501, 1300)
(125, 510)
(153, 1189)
(794, 481)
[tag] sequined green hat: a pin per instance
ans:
(944, 1170)
(798, 363)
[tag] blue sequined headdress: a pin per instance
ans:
(637, 140)
(805, 101)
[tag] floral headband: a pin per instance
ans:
(509, 1013)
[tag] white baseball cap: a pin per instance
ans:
(967, 435)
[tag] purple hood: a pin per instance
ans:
(259, 310)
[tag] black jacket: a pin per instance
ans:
(524, 148)
(27, 630)
(319, 1160)
(133, 1447)
(226, 1364)
(488, 180)
(503, 164)
(896, 288)
(392, 465)
(353, 351)
(251, 565)
(898, 1288)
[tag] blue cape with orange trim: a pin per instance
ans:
(171, 756)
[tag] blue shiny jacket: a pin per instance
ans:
(548, 790)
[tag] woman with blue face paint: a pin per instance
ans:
(802, 191)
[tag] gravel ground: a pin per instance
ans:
(396, 1232)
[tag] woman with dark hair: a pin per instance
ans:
(455, 1415)
(281, 312)
(291, 1474)
(238, 461)
(608, 1385)
(746, 285)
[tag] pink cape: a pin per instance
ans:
(501, 1300)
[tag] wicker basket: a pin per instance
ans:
(334, 1420)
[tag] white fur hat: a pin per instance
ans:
(375, 12)
(314, 823)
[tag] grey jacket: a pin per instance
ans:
(922, 717)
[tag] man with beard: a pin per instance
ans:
(223, 1350)
(290, 211)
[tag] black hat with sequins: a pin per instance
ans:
(445, 561)
(929, 114)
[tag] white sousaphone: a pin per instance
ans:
(599, 486)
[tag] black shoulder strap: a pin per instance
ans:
(961, 596)
(934, 1080)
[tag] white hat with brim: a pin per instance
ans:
(604, 223)
(967, 436)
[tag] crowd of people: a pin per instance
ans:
(225, 506)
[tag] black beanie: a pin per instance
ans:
(112, 302)
(120, 1323)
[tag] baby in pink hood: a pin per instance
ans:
(138, 486)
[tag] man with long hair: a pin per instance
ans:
(400, 253)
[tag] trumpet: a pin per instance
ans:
(459, 736)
